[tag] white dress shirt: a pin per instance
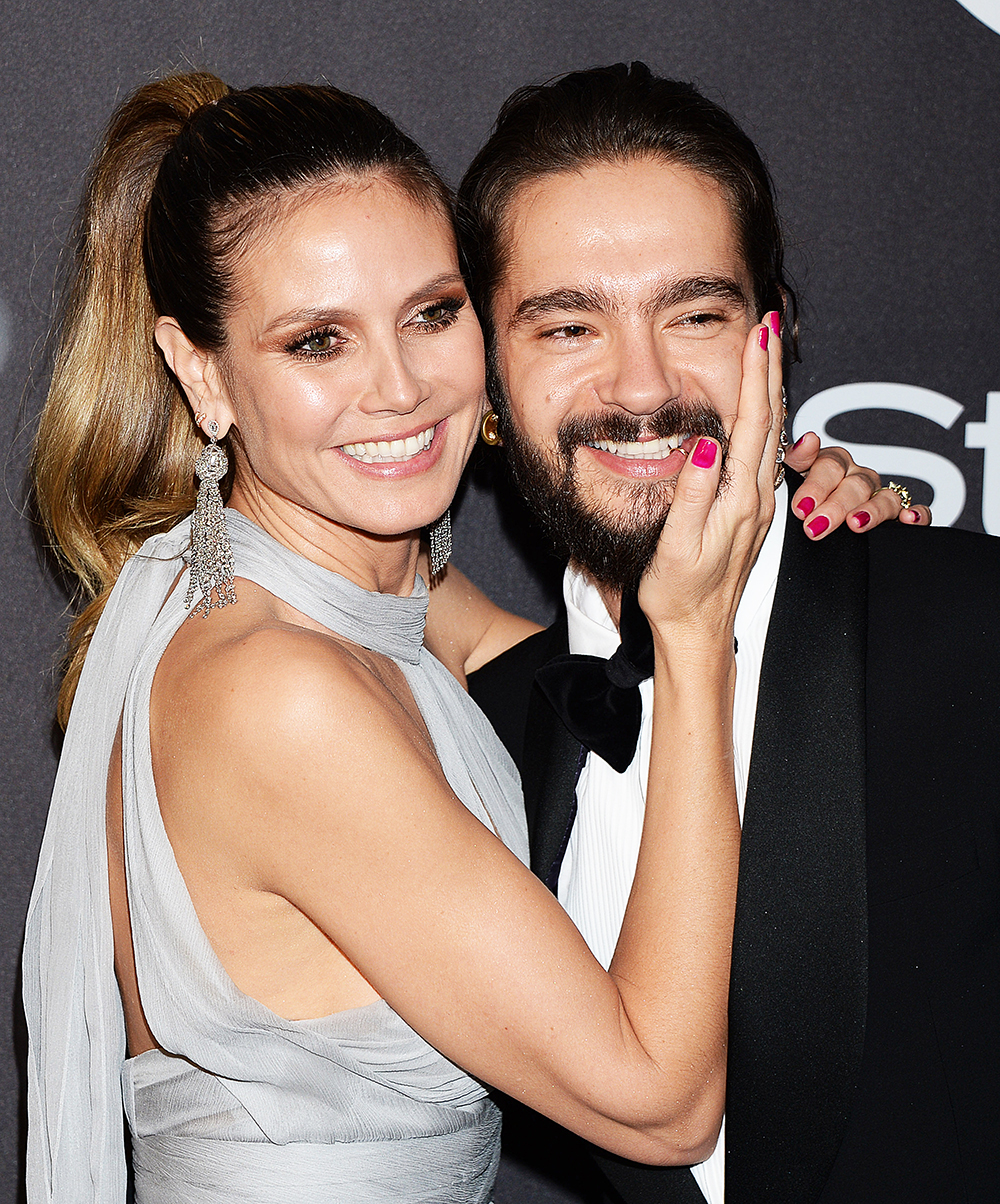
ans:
(596, 875)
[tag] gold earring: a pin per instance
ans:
(488, 430)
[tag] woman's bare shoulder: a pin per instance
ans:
(267, 688)
(465, 629)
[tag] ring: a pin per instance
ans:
(905, 501)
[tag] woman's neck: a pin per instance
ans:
(386, 564)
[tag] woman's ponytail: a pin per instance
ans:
(115, 444)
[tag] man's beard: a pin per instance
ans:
(614, 547)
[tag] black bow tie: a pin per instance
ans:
(598, 699)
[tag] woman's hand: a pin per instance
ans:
(711, 536)
(837, 490)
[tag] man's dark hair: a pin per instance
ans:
(614, 115)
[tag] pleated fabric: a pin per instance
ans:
(241, 1104)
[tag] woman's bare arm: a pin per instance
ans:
(325, 793)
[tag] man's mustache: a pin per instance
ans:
(618, 426)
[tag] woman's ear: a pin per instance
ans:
(198, 373)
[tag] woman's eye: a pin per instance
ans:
(435, 313)
(320, 344)
(317, 344)
(440, 314)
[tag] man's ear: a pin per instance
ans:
(198, 373)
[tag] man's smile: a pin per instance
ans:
(646, 449)
(657, 458)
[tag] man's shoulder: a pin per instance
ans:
(933, 601)
(943, 566)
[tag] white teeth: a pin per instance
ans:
(390, 452)
(651, 449)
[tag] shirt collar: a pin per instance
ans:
(592, 631)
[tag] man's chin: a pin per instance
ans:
(613, 544)
(625, 502)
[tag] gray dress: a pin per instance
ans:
(243, 1105)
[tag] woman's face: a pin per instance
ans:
(354, 364)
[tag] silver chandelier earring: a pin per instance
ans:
(439, 535)
(212, 565)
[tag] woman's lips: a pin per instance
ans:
(390, 451)
(400, 457)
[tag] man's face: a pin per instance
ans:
(620, 324)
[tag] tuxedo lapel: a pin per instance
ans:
(799, 975)
(551, 764)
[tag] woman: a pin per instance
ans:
(310, 838)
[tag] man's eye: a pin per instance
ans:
(701, 319)
(570, 331)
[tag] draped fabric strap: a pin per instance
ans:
(598, 699)
(71, 1002)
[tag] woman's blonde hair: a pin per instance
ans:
(186, 172)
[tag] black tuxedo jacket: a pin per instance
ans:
(864, 1021)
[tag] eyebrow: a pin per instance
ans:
(314, 316)
(695, 288)
(560, 300)
(595, 300)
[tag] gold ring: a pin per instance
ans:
(905, 501)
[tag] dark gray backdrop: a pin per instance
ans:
(880, 123)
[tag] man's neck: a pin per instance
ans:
(611, 595)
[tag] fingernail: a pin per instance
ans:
(797, 442)
(818, 525)
(762, 338)
(912, 516)
(862, 518)
(806, 506)
(703, 455)
(775, 319)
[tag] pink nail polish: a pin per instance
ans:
(862, 518)
(775, 319)
(806, 506)
(818, 525)
(703, 455)
(762, 338)
(797, 442)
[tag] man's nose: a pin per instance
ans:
(642, 375)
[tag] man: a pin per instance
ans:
(622, 239)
